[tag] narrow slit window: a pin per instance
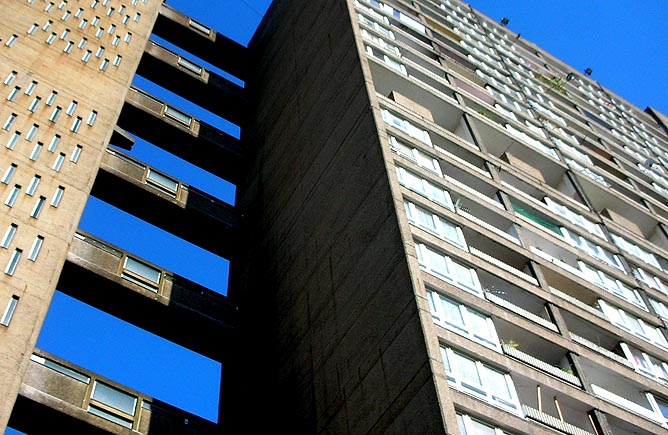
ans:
(104, 65)
(11, 143)
(31, 88)
(37, 209)
(12, 39)
(76, 154)
(54, 143)
(13, 262)
(34, 104)
(33, 29)
(82, 43)
(32, 186)
(76, 124)
(65, 34)
(62, 5)
(57, 196)
(78, 13)
(47, 26)
(137, 17)
(128, 38)
(86, 56)
(94, 4)
(99, 32)
(13, 93)
(91, 118)
(116, 40)
(51, 98)
(10, 78)
(58, 163)
(68, 47)
(71, 108)
(36, 150)
(112, 29)
(9, 310)
(66, 16)
(117, 60)
(126, 19)
(52, 37)
(55, 114)
(32, 132)
(9, 173)
(9, 235)
(10, 121)
(13, 194)
(83, 23)
(95, 21)
(35, 248)
(110, 12)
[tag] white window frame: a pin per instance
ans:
(437, 225)
(444, 267)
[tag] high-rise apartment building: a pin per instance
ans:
(440, 228)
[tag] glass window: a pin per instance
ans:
(435, 224)
(444, 267)
(13, 93)
(36, 151)
(13, 194)
(31, 88)
(10, 121)
(37, 209)
(32, 186)
(142, 274)
(10, 78)
(12, 39)
(36, 247)
(58, 163)
(118, 406)
(32, 132)
(55, 114)
(13, 262)
(76, 124)
(51, 98)
(9, 311)
(34, 104)
(162, 182)
(9, 173)
(57, 196)
(8, 236)
(76, 154)
(424, 187)
(54, 143)
(11, 143)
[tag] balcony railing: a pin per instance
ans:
(521, 311)
(490, 227)
(500, 264)
(541, 365)
(611, 397)
(553, 422)
(603, 351)
(577, 303)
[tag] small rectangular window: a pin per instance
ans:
(10, 121)
(62, 5)
(99, 52)
(10, 78)
(104, 65)
(71, 108)
(52, 37)
(57, 196)
(54, 143)
(185, 63)
(82, 43)
(11, 143)
(86, 56)
(91, 118)
(31, 88)
(112, 404)
(121, 10)
(112, 29)
(34, 104)
(66, 16)
(76, 154)
(68, 47)
(83, 23)
(65, 34)
(117, 60)
(36, 150)
(13, 262)
(142, 274)
(178, 115)
(94, 4)
(110, 12)
(13, 93)
(95, 21)
(99, 32)
(9, 235)
(37, 209)
(47, 26)
(51, 98)
(78, 13)
(199, 26)
(32, 186)
(13, 194)
(36, 247)
(32, 132)
(33, 29)
(55, 114)
(9, 310)
(58, 163)
(126, 19)
(128, 38)
(105, 2)
(116, 40)
(9, 173)
(12, 39)
(76, 124)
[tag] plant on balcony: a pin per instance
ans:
(510, 343)
(556, 83)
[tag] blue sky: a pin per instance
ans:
(624, 46)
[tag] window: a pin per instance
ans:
(9, 235)
(54, 143)
(117, 60)
(66, 16)
(37, 209)
(424, 187)
(13, 93)
(470, 426)
(62, 4)
(137, 17)
(591, 248)
(51, 98)
(128, 38)
(86, 56)
(116, 40)
(635, 250)
(10, 78)
(82, 43)
(645, 364)
(9, 173)
(79, 12)
(444, 267)
(31, 88)
(633, 325)
(58, 163)
(104, 65)
(13, 194)
(161, 182)
(36, 247)
(33, 29)
(55, 114)
(36, 150)
(95, 21)
(32, 132)
(435, 224)
(480, 380)
(47, 25)
(11, 143)
(91, 118)
(387, 60)
(34, 104)
(612, 285)
(57, 196)
(177, 115)
(198, 26)
(99, 52)
(463, 320)
(32, 186)
(9, 310)
(71, 108)
(659, 308)
(76, 124)
(94, 4)
(52, 37)
(83, 23)
(13, 262)
(76, 154)
(110, 12)
(112, 29)
(10, 121)
(406, 126)
(126, 19)
(185, 63)
(99, 32)
(142, 274)
(415, 155)
(12, 39)
(112, 404)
